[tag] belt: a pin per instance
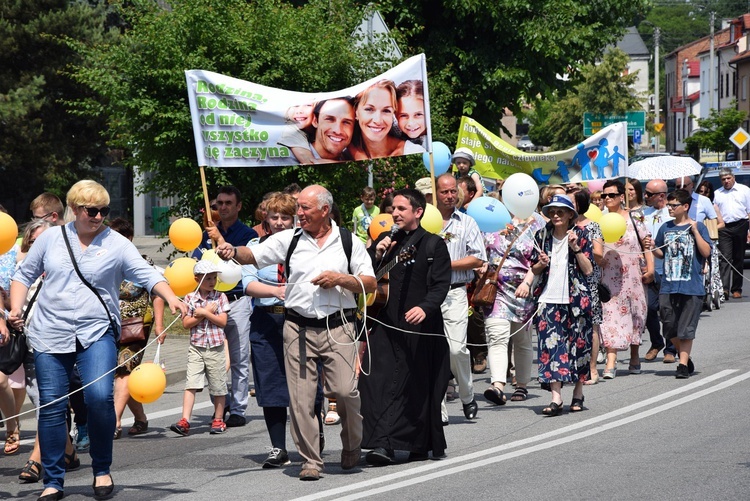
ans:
(234, 296)
(739, 221)
(332, 320)
(277, 310)
(457, 285)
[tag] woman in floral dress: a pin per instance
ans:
(625, 270)
(563, 322)
(513, 306)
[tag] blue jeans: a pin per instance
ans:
(53, 372)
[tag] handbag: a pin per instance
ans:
(14, 351)
(604, 293)
(486, 288)
(132, 330)
(712, 225)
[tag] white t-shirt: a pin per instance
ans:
(307, 262)
(557, 290)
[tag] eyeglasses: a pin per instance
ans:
(649, 194)
(42, 217)
(556, 211)
(93, 211)
(672, 206)
(610, 195)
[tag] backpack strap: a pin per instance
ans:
(346, 243)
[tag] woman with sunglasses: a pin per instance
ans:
(74, 325)
(626, 268)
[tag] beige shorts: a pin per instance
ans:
(210, 362)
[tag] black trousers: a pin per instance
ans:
(732, 244)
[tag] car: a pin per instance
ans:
(645, 155)
(525, 144)
(741, 175)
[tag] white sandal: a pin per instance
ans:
(332, 417)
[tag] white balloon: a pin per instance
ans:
(520, 194)
(230, 272)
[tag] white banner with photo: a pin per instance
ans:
(242, 124)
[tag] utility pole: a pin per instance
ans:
(711, 65)
(657, 34)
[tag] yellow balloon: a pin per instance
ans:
(8, 232)
(432, 220)
(180, 276)
(613, 227)
(185, 234)
(211, 256)
(594, 213)
(147, 383)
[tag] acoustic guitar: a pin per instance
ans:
(377, 300)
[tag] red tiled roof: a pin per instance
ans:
(740, 57)
(694, 96)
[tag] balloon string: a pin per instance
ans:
(95, 380)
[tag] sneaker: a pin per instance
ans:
(181, 427)
(276, 458)
(682, 372)
(82, 438)
(218, 426)
(235, 420)
(690, 366)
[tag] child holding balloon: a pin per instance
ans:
(206, 320)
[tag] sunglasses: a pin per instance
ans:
(42, 217)
(93, 211)
(649, 194)
(557, 212)
(214, 207)
(610, 195)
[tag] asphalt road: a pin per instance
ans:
(648, 436)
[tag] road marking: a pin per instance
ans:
(426, 472)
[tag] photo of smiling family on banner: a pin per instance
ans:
(242, 124)
(601, 156)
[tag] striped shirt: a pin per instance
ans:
(463, 238)
(206, 334)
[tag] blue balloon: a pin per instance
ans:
(489, 213)
(441, 158)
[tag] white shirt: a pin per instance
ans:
(463, 238)
(701, 208)
(307, 262)
(557, 290)
(734, 204)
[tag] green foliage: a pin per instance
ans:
(603, 88)
(715, 131)
(484, 57)
(43, 146)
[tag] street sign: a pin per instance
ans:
(658, 127)
(594, 122)
(637, 136)
(740, 138)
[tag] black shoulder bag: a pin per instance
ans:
(87, 284)
(14, 351)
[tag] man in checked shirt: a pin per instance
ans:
(467, 251)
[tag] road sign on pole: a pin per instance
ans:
(740, 138)
(594, 122)
(637, 136)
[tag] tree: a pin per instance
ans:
(484, 57)
(715, 131)
(603, 88)
(43, 146)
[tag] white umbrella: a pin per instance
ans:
(663, 167)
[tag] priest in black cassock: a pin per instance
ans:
(405, 375)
